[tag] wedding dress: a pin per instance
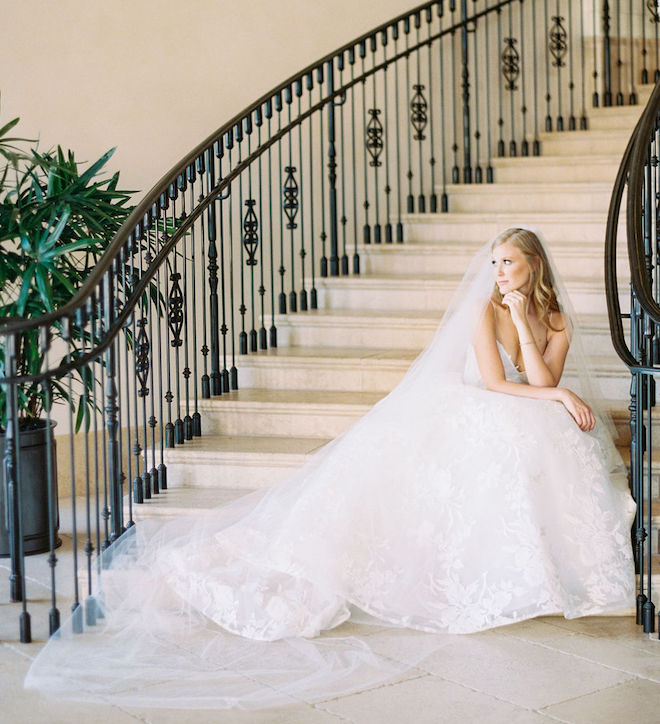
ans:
(447, 509)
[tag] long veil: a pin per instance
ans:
(301, 591)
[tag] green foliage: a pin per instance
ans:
(56, 220)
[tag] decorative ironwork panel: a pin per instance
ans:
(374, 137)
(290, 193)
(652, 6)
(175, 314)
(142, 349)
(510, 63)
(419, 112)
(250, 236)
(557, 41)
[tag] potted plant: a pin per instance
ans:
(57, 216)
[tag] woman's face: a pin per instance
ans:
(510, 269)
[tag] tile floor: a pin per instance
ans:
(599, 670)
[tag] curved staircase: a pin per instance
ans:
(334, 363)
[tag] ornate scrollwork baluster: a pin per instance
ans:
(374, 141)
(419, 112)
(250, 235)
(290, 197)
(510, 63)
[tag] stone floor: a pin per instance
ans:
(595, 670)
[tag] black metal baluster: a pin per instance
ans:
(313, 292)
(105, 512)
(444, 199)
(76, 608)
(282, 269)
(323, 235)
(142, 352)
(632, 98)
(583, 114)
(388, 188)
(656, 22)
(224, 328)
(139, 492)
(410, 205)
(177, 303)
(169, 397)
(524, 144)
(161, 319)
(375, 143)
(125, 410)
(51, 476)
(212, 256)
(233, 372)
(84, 317)
(200, 165)
(419, 117)
(343, 220)
(619, 62)
(251, 239)
(242, 309)
(151, 299)
(182, 186)
(645, 71)
(500, 91)
(511, 71)
(548, 96)
(263, 335)
(271, 228)
(478, 171)
(465, 75)
(433, 197)
(607, 60)
(366, 232)
(596, 95)
(572, 123)
(399, 223)
(14, 507)
(191, 178)
(332, 172)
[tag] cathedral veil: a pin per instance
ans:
(302, 591)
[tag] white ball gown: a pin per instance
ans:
(448, 509)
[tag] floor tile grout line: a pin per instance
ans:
(572, 654)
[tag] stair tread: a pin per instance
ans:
(275, 397)
(507, 187)
(423, 279)
(219, 445)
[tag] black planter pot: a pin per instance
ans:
(33, 463)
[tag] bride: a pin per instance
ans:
(478, 493)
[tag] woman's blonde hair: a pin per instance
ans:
(541, 286)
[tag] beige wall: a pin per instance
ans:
(155, 77)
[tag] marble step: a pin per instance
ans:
(579, 259)
(376, 370)
(556, 169)
(238, 462)
(433, 292)
(538, 196)
(583, 143)
(294, 413)
(480, 227)
(409, 329)
(614, 117)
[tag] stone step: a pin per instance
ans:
(556, 169)
(579, 259)
(614, 117)
(238, 462)
(376, 370)
(536, 196)
(584, 143)
(408, 329)
(295, 413)
(480, 227)
(433, 292)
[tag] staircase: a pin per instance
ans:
(334, 363)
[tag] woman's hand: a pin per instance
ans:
(517, 303)
(578, 408)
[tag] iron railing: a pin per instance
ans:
(288, 192)
(636, 334)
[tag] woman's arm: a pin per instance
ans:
(543, 370)
(492, 373)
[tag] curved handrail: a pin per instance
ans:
(631, 172)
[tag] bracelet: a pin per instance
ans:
(522, 344)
